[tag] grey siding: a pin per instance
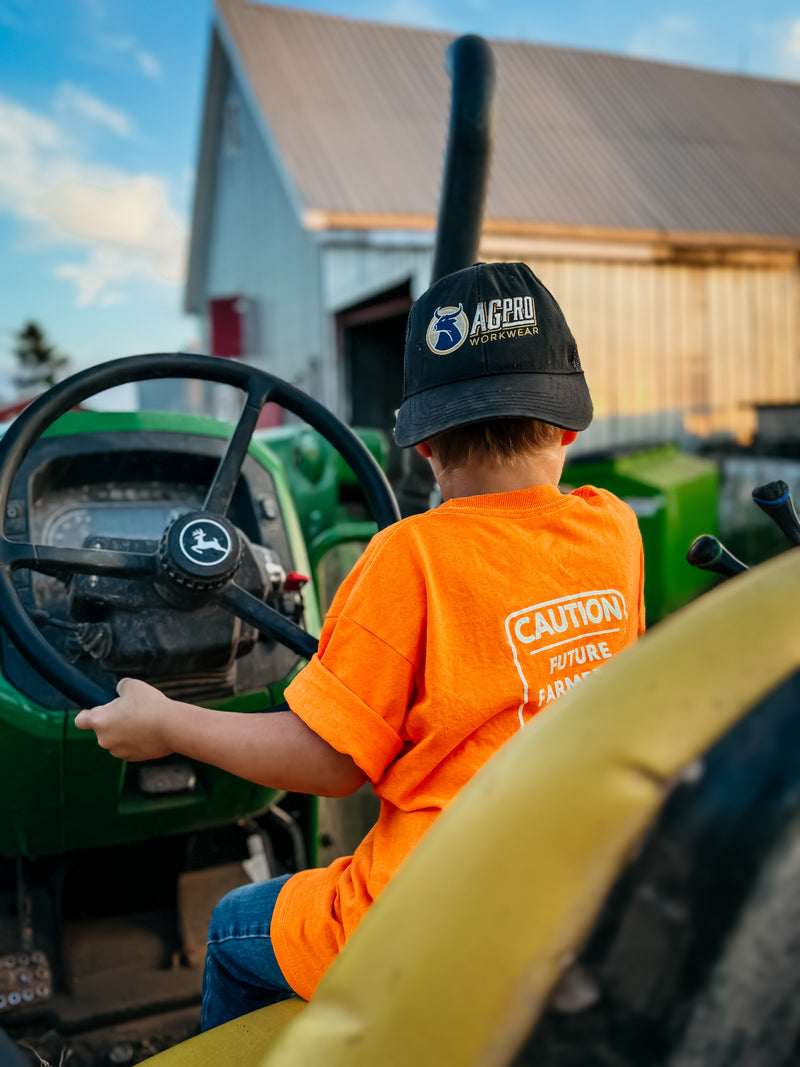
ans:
(259, 249)
(360, 269)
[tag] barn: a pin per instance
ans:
(659, 203)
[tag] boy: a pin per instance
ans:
(453, 629)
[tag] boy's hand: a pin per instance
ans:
(277, 751)
(132, 727)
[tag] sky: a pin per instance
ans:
(100, 111)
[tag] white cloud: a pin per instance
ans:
(789, 58)
(123, 223)
(147, 63)
(413, 13)
(23, 134)
(71, 100)
(101, 277)
(124, 211)
(99, 14)
(670, 37)
(677, 24)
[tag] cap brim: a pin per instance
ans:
(560, 399)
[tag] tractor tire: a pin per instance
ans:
(749, 1013)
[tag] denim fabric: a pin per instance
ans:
(241, 972)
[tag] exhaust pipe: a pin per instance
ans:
(470, 63)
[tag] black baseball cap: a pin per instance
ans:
(488, 342)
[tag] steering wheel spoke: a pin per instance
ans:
(222, 488)
(266, 619)
(62, 562)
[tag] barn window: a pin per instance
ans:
(232, 133)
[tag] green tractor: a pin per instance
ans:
(164, 547)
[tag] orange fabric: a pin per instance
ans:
(454, 628)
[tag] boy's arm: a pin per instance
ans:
(276, 750)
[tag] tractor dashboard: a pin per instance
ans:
(121, 491)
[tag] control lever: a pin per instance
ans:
(709, 554)
(775, 500)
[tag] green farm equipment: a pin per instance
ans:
(176, 549)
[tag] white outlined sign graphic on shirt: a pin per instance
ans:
(556, 643)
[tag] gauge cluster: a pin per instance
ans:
(67, 519)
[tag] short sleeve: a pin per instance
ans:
(356, 691)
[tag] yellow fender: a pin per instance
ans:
(457, 958)
(240, 1043)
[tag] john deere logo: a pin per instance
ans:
(447, 330)
(205, 542)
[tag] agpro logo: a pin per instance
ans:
(492, 320)
(513, 313)
(447, 330)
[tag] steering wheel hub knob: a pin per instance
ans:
(200, 551)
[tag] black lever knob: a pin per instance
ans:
(709, 554)
(775, 500)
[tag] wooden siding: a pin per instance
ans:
(680, 348)
(671, 350)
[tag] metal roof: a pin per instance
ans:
(584, 142)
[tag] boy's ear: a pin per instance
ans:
(568, 436)
(424, 449)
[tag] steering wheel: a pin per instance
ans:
(171, 565)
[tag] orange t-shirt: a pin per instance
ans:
(454, 628)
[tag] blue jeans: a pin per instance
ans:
(241, 972)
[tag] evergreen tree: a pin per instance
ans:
(39, 361)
